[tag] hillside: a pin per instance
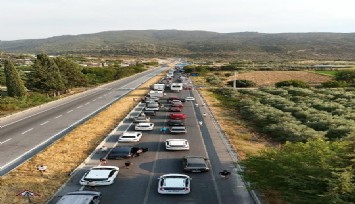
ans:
(245, 45)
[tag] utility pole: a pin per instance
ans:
(235, 80)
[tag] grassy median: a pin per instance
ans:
(66, 154)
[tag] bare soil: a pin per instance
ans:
(269, 78)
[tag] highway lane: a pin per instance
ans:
(24, 134)
(139, 183)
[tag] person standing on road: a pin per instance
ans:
(127, 164)
(225, 174)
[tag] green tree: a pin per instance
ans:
(346, 75)
(45, 76)
(71, 73)
(314, 172)
(294, 83)
(14, 84)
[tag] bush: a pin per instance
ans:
(294, 83)
(242, 83)
(214, 80)
(334, 84)
(228, 74)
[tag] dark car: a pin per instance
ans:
(195, 164)
(174, 109)
(124, 152)
(176, 123)
(173, 98)
(179, 105)
(149, 113)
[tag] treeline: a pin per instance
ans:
(316, 127)
(50, 77)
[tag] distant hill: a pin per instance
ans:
(244, 45)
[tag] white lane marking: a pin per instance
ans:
(152, 172)
(94, 99)
(5, 141)
(87, 103)
(45, 122)
(58, 116)
(79, 107)
(70, 111)
(27, 131)
(100, 97)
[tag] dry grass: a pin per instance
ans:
(66, 154)
(269, 78)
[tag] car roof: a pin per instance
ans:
(97, 174)
(174, 182)
(131, 133)
(144, 124)
(122, 149)
(195, 160)
(178, 142)
(179, 127)
(78, 197)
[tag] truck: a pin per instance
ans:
(176, 87)
(159, 87)
(154, 93)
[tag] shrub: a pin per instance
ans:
(228, 74)
(213, 80)
(294, 83)
(242, 83)
(334, 84)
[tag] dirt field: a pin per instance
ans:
(269, 78)
(66, 154)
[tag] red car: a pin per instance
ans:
(177, 116)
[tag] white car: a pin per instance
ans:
(100, 176)
(177, 144)
(144, 126)
(130, 137)
(174, 184)
(189, 98)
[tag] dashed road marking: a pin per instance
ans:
(69, 111)
(58, 116)
(27, 131)
(5, 141)
(79, 107)
(45, 122)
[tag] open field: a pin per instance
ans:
(67, 153)
(330, 73)
(269, 78)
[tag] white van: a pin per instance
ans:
(144, 126)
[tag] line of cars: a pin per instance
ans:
(172, 183)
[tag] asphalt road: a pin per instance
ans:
(24, 134)
(139, 183)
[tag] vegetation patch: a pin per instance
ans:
(66, 154)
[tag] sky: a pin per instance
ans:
(35, 19)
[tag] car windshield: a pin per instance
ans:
(121, 150)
